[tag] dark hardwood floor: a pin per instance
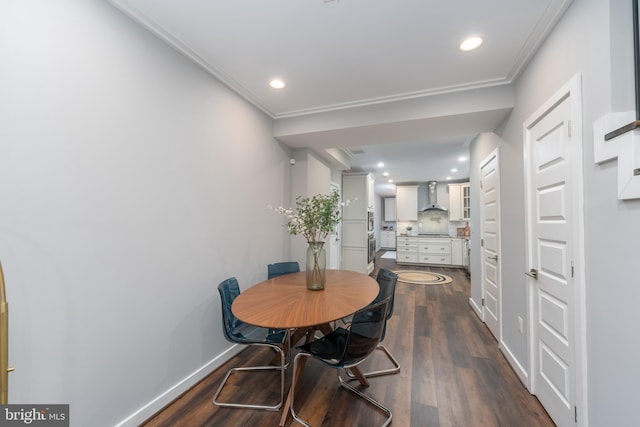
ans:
(452, 374)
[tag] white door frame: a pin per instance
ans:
(573, 88)
(483, 163)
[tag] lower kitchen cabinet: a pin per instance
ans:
(465, 254)
(457, 252)
(406, 250)
(388, 239)
(355, 246)
(434, 251)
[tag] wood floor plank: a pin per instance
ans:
(452, 374)
(423, 382)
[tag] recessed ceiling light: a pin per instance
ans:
(470, 43)
(380, 164)
(385, 174)
(448, 178)
(462, 158)
(277, 84)
(454, 170)
(390, 181)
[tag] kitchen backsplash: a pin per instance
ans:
(430, 222)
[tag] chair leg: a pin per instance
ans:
(292, 391)
(389, 371)
(343, 383)
(291, 334)
(280, 368)
(368, 398)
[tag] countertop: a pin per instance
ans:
(431, 236)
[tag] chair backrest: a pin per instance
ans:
(387, 281)
(280, 268)
(365, 332)
(229, 290)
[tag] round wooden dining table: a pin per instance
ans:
(285, 302)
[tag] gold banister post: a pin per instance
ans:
(4, 342)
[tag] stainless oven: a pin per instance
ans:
(371, 253)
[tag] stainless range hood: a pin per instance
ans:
(428, 198)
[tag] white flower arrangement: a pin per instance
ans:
(314, 218)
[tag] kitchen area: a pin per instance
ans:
(427, 224)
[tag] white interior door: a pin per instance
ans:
(552, 217)
(490, 243)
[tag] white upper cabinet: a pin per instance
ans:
(390, 209)
(407, 203)
(371, 192)
(459, 202)
(466, 202)
(359, 190)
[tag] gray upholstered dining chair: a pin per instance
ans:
(279, 268)
(346, 348)
(238, 332)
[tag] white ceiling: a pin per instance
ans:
(372, 76)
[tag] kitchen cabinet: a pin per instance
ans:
(459, 202)
(355, 259)
(371, 192)
(434, 251)
(354, 234)
(388, 239)
(406, 250)
(457, 251)
(390, 209)
(466, 202)
(407, 203)
(465, 254)
(358, 189)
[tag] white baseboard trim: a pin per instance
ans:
(517, 367)
(176, 390)
(475, 307)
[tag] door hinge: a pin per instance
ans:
(483, 302)
(481, 186)
(569, 128)
(575, 409)
(482, 242)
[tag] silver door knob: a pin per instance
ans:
(493, 257)
(533, 273)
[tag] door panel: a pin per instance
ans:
(554, 316)
(555, 373)
(550, 253)
(490, 235)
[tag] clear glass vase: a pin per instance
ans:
(316, 265)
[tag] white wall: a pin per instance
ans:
(310, 176)
(131, 184)
(581, 43)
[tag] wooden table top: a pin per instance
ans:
(285, 301)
